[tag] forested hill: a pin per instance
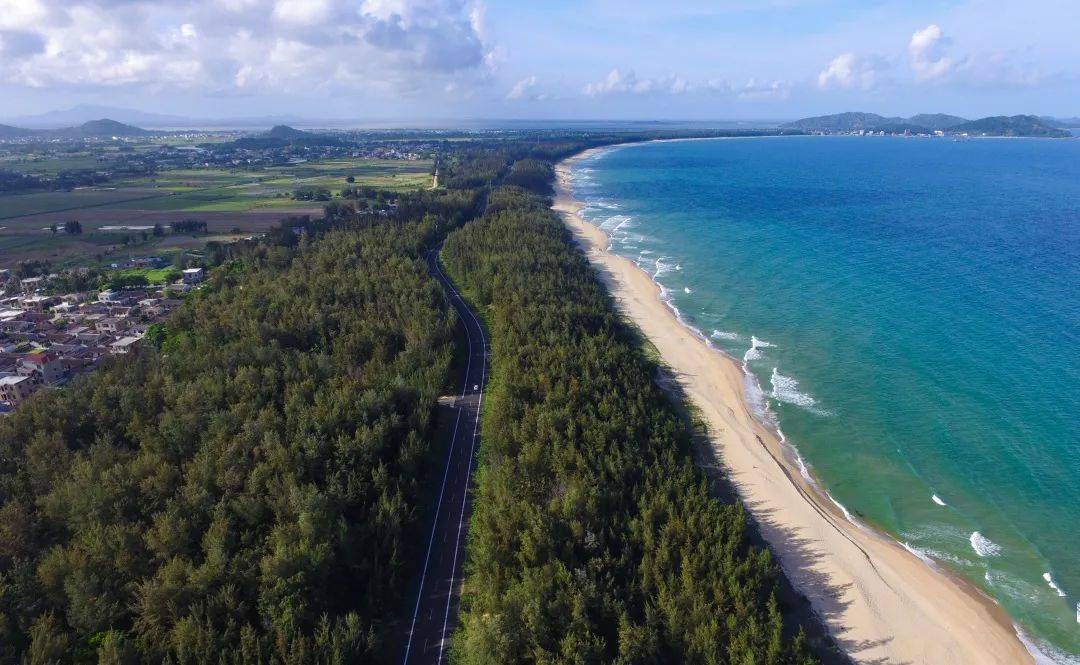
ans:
(99, 129)
(926, 123)
(251, 491)
(595, 538)
(1016, 125)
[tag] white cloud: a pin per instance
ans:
(927, 54)
(523, 89)
(755, 90)
(18, 14)
(848, 71)
(302, 12)
(931, 62)
(219, 45)
(618, 82)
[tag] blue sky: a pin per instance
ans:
(593, 59)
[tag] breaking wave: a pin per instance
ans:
(983, 546)
(662, 267)
(1053, 585)
(786, 389)
(723, 334)
(754, 352)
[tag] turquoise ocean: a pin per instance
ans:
(909, 310)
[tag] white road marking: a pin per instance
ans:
(468, 473)
(438, 505)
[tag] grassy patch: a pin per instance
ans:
(40, 202)
(157, 276)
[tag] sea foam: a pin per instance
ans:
(983, 546)
(1053, 585)
(754, 352)
(921, 554)
(662, 267)
(723, 334)
(786, 389)
(615, 222)
(1044, 654)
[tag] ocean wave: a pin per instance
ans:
(723, 334)
(755, 396)
(1053, 585)
(799, 461)
(940, 555)
(1044, 654)
(942, 534)
(615, 222)
(1013, 587)
(754, 352)
(938, 500)
(938, 533)
(661, 267)
(847, 515)
(983, 546)
(786, 389)
(919, 552)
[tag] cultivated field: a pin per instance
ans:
(232, 202)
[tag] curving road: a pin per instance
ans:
(435, 613)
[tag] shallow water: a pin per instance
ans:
(911, 311)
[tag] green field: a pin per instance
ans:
(247, 201)
(156, 276)
(224, 190)
(17, 205)
(50, 164)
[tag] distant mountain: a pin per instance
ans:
(842, 122)
(95, 129)
(9, 132)
(1016, 125)
(102, 129)
(281, 136)
(936, 120)
(288, 133)
(83, 113)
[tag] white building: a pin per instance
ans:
(15, 389)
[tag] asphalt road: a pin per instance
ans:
(435, 613)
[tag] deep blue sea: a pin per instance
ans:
(911, 311)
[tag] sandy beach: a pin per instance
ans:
(881, 602)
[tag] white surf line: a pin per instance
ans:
(438, 504)
(472, 454)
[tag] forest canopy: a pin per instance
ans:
(249, 490)
(594, 538)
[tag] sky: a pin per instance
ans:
(373, 60)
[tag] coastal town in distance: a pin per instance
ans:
(483, 332)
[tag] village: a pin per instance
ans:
(47, 339)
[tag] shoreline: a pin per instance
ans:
(879, 601)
